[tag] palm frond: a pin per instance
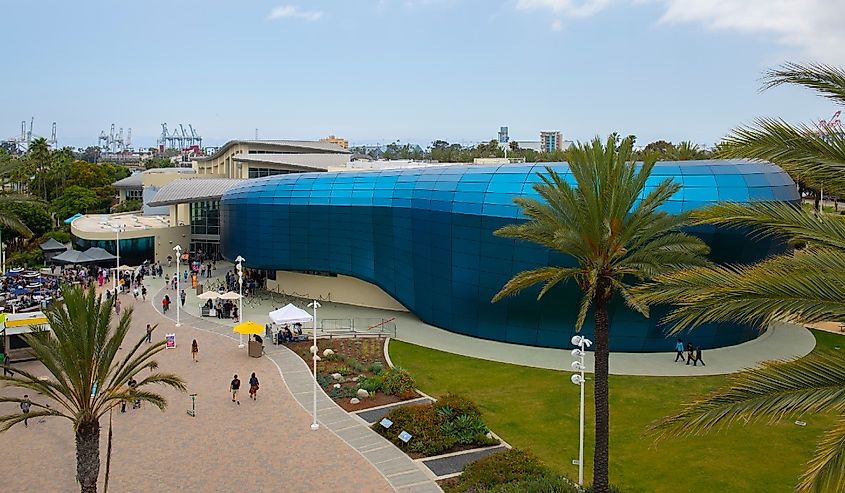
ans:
(826, 79)
(803, 288)
(549, 276)
(778, 390)
(777, 218)
(811, 154)
(826, 469)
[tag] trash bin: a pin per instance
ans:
(255, 349)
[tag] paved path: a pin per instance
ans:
(257, 446)
(781, 341)
(403, 474)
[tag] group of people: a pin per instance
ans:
(222, 309)
(235, 387)
(285, 334)
(693, 353)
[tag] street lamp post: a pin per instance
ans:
(578, 379)
(315, 304)
(117, 230)
(240, 260)
(178, 250)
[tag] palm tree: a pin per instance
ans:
(804, 286)
(88, 376)
(613, 239)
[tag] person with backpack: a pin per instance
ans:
(235, 387)
(26, 405)
(679, 350)
(253, 387)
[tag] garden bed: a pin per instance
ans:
(451, 424)
(360, 364)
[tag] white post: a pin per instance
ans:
(315, 304)
(240, 260)
(117, 264)
(178, 250)
(578, 379)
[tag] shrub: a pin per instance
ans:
(344, 370)
(398, 382)
(466, 429)
(548, 483)
(456, 405)
(372, 384)
(324, 380)
(342, 392)
(28, 258)
(376, 367)
(501, 468)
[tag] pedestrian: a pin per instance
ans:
(698, 357)
(164, 305)
(253, 387)
(132, 384)
(690, 353)
(26, 404)
(135, 293)
(194, 350)
(679, 350)
(234, 387)
(182, 297)
(149, 334)
(117, 306)
(7, 365)
(144, 293)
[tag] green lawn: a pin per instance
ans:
(538, 409)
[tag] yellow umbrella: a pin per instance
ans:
(249, 328)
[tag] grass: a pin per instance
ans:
(538, 409)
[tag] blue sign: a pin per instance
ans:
(405, 436)
(386, 423)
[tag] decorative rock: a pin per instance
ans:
(337, 385)
(319, 358)
(355, 379)
(354, 401)
(337, 376)
(327, 352)
(313, 349)
(362, 393)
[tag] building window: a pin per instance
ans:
(261, 172)
(205, 217)
(134, 194)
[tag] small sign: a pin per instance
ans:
(405, 436)
(576, 462)
(170, 341)
(386, 423)
(801, 423)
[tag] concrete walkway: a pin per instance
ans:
(402, 473)
(779, 342)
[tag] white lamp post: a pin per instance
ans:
(178, 250)
(117, 230)
(578, 379)
(240, 260)
(315, 304)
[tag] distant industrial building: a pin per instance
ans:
(331, 139)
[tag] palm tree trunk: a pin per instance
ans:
(602, 351)
(88, 455)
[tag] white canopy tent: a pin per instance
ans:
(290, 314)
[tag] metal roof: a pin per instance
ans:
(305, 145)
(131, 181)
(192, 190)
(52, 245)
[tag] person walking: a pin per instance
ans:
(7, 365)
(698, 357)
(234, 387)
(194, 350)
(132, 383)
(679, 350)
(690, 354)
(149, 334)
(253, 387)
(117, 306)
(144, 293)
(164, 305)
(26, 405)
(182, 297)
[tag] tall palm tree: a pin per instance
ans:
(803, 287)
(613, 238)
(88, 376)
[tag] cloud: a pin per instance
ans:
(293, 12)
(813, 27)
(557, 25)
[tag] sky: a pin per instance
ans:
(414, 70)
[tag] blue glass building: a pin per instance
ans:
(425, 236)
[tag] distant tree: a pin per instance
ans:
(73, 200)
(91, 154)
(33, 215)
(660, 148)
(158, 162)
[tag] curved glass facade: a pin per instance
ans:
(133, 251)
(425, 236)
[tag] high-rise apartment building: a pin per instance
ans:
(551, 141)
